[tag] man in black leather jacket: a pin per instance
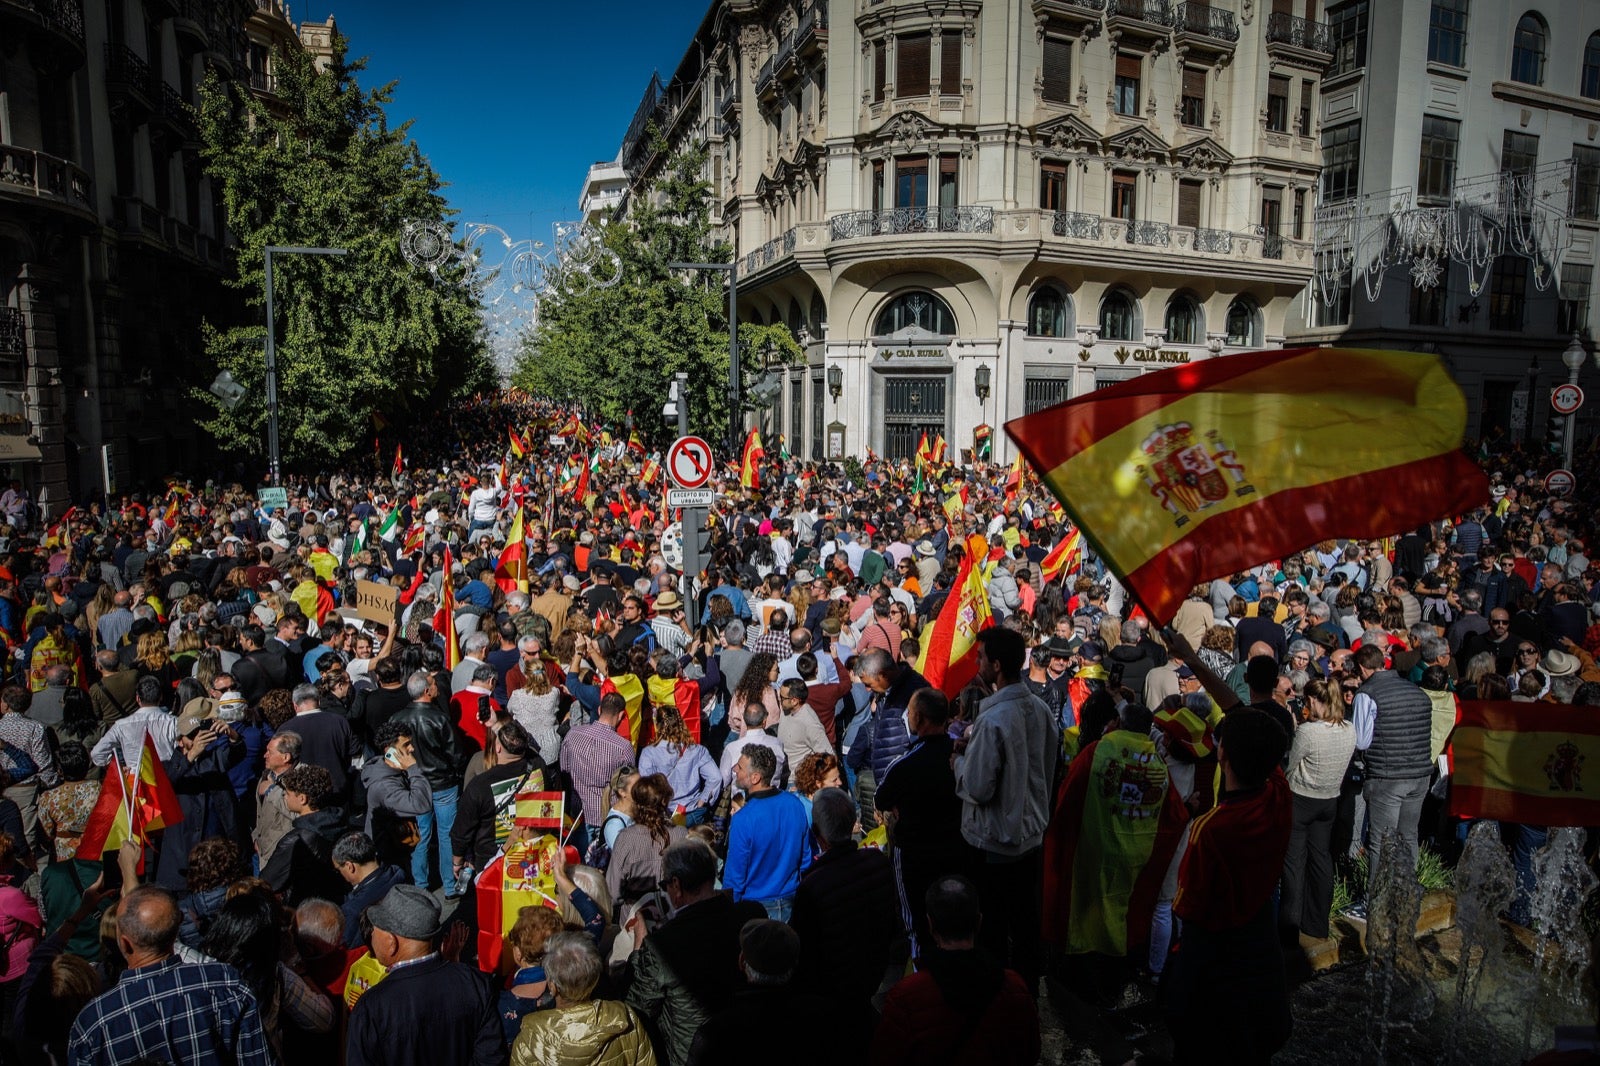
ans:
(442, 755)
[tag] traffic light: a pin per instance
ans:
(1555, 434)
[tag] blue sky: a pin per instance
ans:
(513, 99)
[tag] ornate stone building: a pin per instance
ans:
(971, 209)
(112, 238)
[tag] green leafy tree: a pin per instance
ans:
(616, 349)
(365, 339)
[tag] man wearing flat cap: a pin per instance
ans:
(427, 1009)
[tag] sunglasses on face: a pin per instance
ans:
(1527, 651)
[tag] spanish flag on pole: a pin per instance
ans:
(154, 802)
(444, 619)
(1525, 762)
(750, 462)
(517, 448)
(1064, 558)
(511, 570)
(110, 824)
(399, 461)
(949, 656)
(1186, 474)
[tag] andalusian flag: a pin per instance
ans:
(1525, 762)
(750, 461)
(983, 441)
(511, 571)
(358, 540)
(1064, 558)
(949, 656)
(1203, 470)
(390, 528)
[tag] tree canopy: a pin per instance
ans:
(365, 339)
(616, 349)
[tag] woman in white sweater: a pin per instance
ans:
(1318, 758)
(534, 708)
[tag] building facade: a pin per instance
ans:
(970, 210)
(113, 239)
(1460, 197)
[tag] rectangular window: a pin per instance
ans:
(1447, 33)
(1126, 94)
(1277, 103)
(1341, 161)
(1308, 100)
(949, 167)
(911, 182)
(1436, 168)
(1299, 214)
(1124, 194)
(1572, 314)
(1427, 305)
(1189, 203)
(1508, 292)
(1194, 96)
(1039, 393)
(1331, 308)
(880, 69)
(1272, 221)
(1586, 181)
(1057, 86)
(1519, 153)
(877, 185)
(912, 54)
(1053, 186)
(950, 62)
(1347, 26)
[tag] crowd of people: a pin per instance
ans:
(776, 821)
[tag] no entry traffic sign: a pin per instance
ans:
(1566, 398)
(1559, 482)
(689, 462)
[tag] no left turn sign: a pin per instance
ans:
(689, 462)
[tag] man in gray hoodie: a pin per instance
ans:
(1005, 766)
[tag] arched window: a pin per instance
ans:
(918, 308)
(1527, 50)
(1047, 313)
(819, 314)
(1589, 83)
(795, 321)
(1119, 316)
(1243, 331)
(1183, 321)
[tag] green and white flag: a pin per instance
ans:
(358, 541)
(390, 529)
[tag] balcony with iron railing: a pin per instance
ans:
(811, 35)
(1219, 241)
(902, 220)
(1204, 24)
(26, 173)
(1141, 15)
(194, 20)
(263, 81)
(13, 334)
(764, 78)
(1076, 224)
(1302, 38)
(728, 103)
(784, 62)
(55, 23)
(1148, 233)
(1071, 16)
(128, 76)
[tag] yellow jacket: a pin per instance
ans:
(597, 1033)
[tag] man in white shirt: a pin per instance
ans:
(125, 739)
(800, 641)
(755, 716)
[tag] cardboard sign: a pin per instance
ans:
(377, 602)
(274, 498)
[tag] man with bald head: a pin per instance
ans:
(164, 1010)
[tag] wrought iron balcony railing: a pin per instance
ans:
(1155, 12)
(1150, 234)
(1292, 30)
(912, 220)
(1213, 240)
(1205, 20)
(1076, 224)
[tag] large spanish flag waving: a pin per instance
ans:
(949, 656)
(110, 824)
(511, 570)
(750, 461)
(1199, 471)
(444, 619)
(1526, 762)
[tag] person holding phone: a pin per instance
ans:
(397, 794)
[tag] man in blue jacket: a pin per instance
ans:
(768, 840)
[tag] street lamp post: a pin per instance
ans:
(272, 347)
(1527, 411)
(735, 401)
(1573, 357)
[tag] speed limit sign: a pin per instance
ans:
(1566, 399)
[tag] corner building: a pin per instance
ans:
(971, 210)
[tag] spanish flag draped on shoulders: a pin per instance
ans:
(1116, 827)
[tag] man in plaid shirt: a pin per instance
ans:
(164, 1010)
(22, 734)
(774, 639)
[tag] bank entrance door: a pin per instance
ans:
(911, 407)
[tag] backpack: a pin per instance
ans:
(598, 854)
